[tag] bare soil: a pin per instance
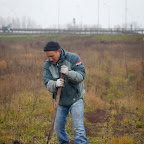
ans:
(103, 122)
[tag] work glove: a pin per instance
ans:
(64, 70)
(60, 83)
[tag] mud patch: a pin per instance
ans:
(98, 116)
(93, 118)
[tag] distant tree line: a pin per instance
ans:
(27, 22)
(24, 22)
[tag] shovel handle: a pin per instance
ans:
(54, 112)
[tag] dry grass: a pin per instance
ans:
(114, 74)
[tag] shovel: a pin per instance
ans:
(54, 112)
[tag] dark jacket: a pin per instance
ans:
(73, 88)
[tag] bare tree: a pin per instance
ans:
(23, 22)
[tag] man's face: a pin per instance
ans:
(53, 55)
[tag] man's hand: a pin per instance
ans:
(60, 83)
(64, 70)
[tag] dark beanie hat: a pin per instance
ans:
(52, 46)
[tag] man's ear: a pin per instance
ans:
(59, 50)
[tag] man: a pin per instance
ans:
(71, 98)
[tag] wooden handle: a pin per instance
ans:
(55, 110)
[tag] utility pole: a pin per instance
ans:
(109, 17)
(98, 15)
(108, 12)
(125, 14)
(58, 13)
(74, 22)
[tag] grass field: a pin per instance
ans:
(114, 83)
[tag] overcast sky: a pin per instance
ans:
(47, 13)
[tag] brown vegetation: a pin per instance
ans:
(114, 83)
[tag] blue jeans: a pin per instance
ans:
(77, 111)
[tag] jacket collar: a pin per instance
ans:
(61, 59)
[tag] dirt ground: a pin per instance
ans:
(98, 116)
(105, 122)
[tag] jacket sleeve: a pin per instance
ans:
(48, 81)
(77, 72)
(75, 77)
